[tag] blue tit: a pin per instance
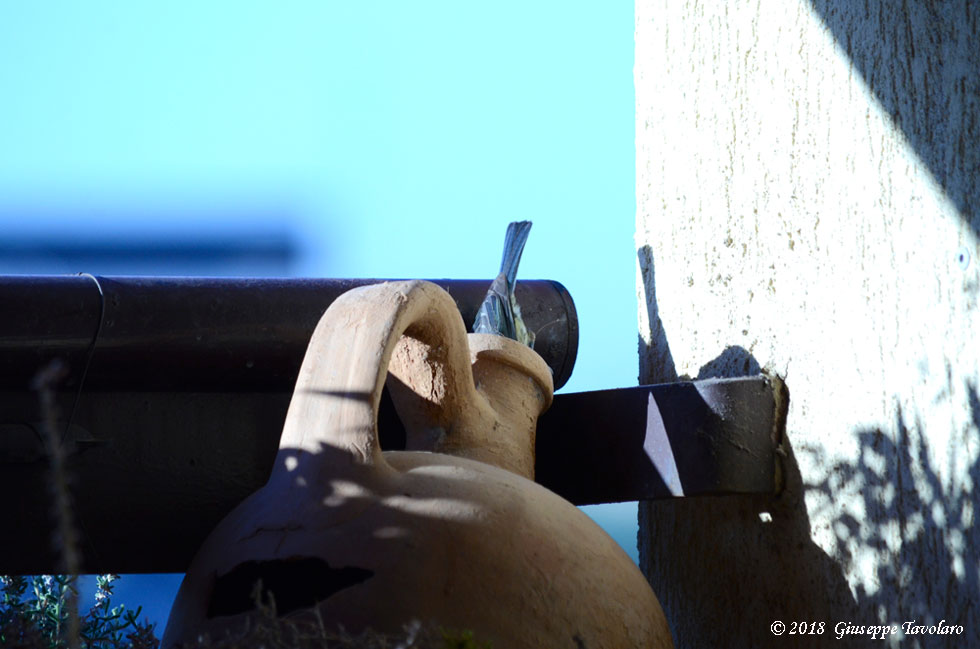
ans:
(500, 314)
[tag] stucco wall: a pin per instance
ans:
(808, 203)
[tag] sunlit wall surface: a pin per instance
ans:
(807, 180)
(377, 139)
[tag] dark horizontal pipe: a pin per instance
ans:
(152, 333)
(172, 398)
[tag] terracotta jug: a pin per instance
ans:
(452, 532)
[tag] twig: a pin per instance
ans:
(65, 538)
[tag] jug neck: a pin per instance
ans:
(495, 423)
(518, 386)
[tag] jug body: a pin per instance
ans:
(455, 534)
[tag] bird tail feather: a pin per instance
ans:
(514, 242)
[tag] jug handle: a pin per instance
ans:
(338, 390)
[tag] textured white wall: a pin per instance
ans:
(808, 194)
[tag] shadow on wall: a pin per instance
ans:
(928, 82)
(733, 565)
(933, 573)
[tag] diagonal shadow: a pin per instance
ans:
(921, 60)
(656, 361)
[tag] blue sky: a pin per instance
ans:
(389, 139)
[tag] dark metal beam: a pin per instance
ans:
(713, 437)
(153, 471)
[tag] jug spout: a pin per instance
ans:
(494, 422)
(518, 385)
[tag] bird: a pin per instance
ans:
(499, 313)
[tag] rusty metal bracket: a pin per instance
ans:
(712, 437)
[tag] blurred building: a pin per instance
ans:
(256, 252)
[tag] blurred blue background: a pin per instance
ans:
(372, 139)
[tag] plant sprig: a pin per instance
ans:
(35, 612)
